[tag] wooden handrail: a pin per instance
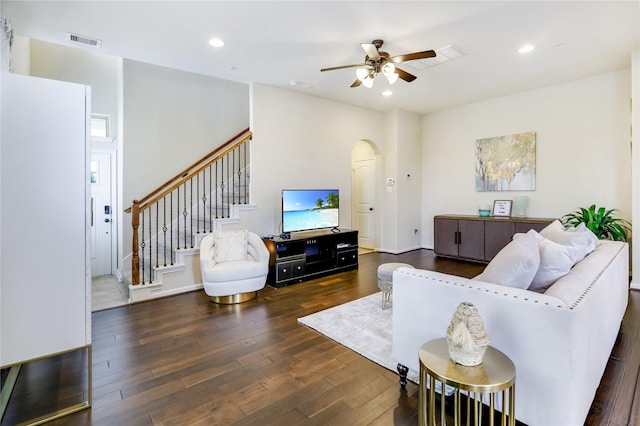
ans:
(169, 186)
(189, 172)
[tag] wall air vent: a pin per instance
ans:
(85, 40)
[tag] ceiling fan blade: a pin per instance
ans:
(356, 83)
(371, 50)
(413, 56)
(343, 66)
(405, 75)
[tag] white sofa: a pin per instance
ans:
(559, 341)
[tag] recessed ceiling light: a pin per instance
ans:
(387, 93)
(216, 42)
(526, 48)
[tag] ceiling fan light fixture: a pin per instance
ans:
(391, 78)
(362, 73)
(368, 82)
(388, 69)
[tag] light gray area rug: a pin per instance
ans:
(362, 326)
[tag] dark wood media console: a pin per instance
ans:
(311, 255)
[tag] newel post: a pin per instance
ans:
(135, 246)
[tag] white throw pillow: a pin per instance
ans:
(515, 265)
(556, 260)
(230, 245)
(579, 237)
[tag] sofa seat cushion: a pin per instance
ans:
(515, 265)
(231, 271)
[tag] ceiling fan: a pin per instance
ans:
(377, 61)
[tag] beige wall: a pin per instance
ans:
(171, 119)
(303, 141)
(408, 181)
(635, 124)
(57, 62)
(583, 149)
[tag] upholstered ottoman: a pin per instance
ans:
(385, 280)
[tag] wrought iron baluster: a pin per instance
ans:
(142, 246)
(211, 195)
(164, 229)
(150, 253)
(184, 215)
(197, 203)
(222, 185)
(240, 197)
(157, 234)
(191, 210)
(204, 200)
(246, 188)
(171, 227)
(216, 190)
(178, 220)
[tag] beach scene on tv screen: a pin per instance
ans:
(309, 209)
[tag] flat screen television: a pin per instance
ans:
(307, 209)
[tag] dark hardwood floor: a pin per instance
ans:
(183, 360)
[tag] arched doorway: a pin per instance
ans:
(365, 216)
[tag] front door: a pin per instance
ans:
(101, 214)
(364, 193)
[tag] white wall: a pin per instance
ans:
(583, 149)
(171, 119)
(303, 141)
(57, 62)
(408, 181)
(402, 199)
(635, 124)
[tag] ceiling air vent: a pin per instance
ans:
(85, 40)
(443, 54)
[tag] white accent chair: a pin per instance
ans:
(234, 265)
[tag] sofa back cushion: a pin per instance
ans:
(579, 237)
(515, 265)
(556, 260)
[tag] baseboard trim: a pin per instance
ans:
(145, 292)
(400, 251)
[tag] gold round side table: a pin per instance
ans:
(495, 375)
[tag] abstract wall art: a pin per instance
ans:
(506, 163)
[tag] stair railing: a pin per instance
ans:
(219, 180)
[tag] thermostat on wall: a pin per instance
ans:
(391, 181)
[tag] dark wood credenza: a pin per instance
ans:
(478, 238)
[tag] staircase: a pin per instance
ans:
(169, 223)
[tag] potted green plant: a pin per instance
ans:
(600, 221)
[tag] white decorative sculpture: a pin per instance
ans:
(467, 338)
